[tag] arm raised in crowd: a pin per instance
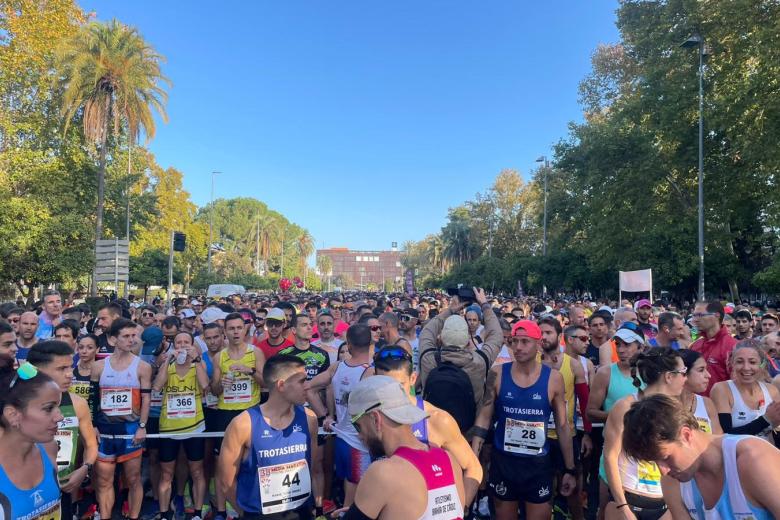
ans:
(493, 336)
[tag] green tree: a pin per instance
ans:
(110, 77)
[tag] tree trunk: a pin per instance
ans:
(100, 203)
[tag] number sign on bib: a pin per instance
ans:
(181, 406)
(524, 437)
(64, 440)
(284, 487)
(239, 391)
(116, 402)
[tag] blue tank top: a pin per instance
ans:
(521, 415)
(42, 501)
(420, 429)
(732, 502)
(275, 476)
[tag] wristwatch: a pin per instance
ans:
(89, 468)
(572, 472)
(254, 371)
(197, 360)
(142, 425)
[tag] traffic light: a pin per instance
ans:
(179, 241)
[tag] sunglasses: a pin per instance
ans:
(336, 307)
(275, 323)
(375, 328)
(14, 320)
(406, 317)
(581, 338)
(682, 371)
(356, 418)
(393, 353)
(147, 314)
(702, 314)
(25, 372)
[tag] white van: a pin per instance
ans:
(221, 290)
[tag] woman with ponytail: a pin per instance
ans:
(29, 415)
(635, 486)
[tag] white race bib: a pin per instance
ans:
(181, 406)
(116, 402)
(155, 399)
(211, 400)
(524, 437)
(64, 440)
(239, 391)
(284, 487)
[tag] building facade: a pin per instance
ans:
(364, 267)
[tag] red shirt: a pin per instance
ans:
(716, 352)
(271, 350)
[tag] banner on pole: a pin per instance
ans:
(636, 281)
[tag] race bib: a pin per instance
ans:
(211, 400)
(64, 440)
(239, 391)
(155, 399)
(524, 437)
(116, 402)
(80, 388)
(284, 487)
(648, 474)
(181, 406)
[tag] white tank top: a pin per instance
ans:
(120, 392)
(742, 415)
(701, 414)
(344, 380)
(732, 502)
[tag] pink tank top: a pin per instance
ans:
(435, 467)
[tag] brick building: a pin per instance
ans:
(364, 267)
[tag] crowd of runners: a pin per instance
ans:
(365, 406)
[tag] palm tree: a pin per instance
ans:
(271, 231)
(304, 245)
(113, 76)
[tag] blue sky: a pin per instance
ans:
(364, 121)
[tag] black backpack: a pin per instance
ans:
(448, 387)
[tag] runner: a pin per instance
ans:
(439, 429)
(524, 394)
(121, 384)
(29, 415)
(415, 480)
(316, 359)
(8, 348)
(389, 322)
(107, 314)
(67, 331)
(352, 458)
(706, 476)
(182, 381)
(327, 341)
(714, 343)
(636, 484)
(86, 350)
(55, 359)
(50, 316)
(276, 339)
(746, 405)
(407, 325)
(696, 381)
(237, 379)
(270, 465)
(26, 338)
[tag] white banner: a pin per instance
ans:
(636, 281)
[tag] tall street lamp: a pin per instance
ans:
(211, 219)
(696, 40)
(546, 165)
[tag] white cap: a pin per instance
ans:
(212, 314)
(384, 394)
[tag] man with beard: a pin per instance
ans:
(276, 339)
(644, 312)
(327, 341)
(8, 346)
(415, 480)
(736, 475)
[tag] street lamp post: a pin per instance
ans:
(696, 40)
(546, 166)
(211, 220)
